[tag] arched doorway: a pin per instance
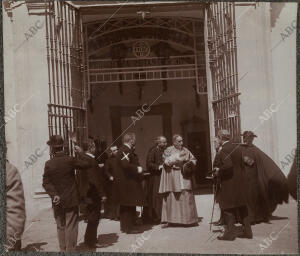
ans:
(131, 62)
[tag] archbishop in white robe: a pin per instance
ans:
(179, 206)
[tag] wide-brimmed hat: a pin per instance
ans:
(248, 134)
(56, 141)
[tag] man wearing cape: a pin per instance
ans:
(267, 185)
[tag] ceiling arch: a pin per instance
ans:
(179, 31)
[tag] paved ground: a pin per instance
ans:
(280, 236)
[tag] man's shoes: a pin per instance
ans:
(244, 235)
(218, 223)
(165, 225)
(228, 236)
(133, 231)
(246, 231)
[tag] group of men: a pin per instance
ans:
(163, 189)
(168, 197)
(67, 191)
(249, 186)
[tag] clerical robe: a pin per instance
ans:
(179, 206)
(154, 160)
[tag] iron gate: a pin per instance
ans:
(67, 94)
(222, 47)
(166, 63)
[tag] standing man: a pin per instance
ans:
(59, 183)
(110, 169)
(155, 166)
(179, 205)
(15, 208)
(94, 196)
(232, 199)
(129, 178)
(216, 162)
(267, 185)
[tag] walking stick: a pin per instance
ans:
(215, 188)
(212, 213)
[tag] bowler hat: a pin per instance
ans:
(248, 134)
(55, 141)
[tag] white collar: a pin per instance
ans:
(90, 154)
(126, 144)
(224, 143)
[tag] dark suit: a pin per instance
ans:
(129, 187)
(232, 194)
(94, 194)
(229, 160)
(59, 180)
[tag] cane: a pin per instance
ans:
(212, 213)
(215, 188)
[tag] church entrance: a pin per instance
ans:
(105, 70)
(152, 63)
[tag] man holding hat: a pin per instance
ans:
(59, 183)
(95, 194)
(232, 201)
(129, 175)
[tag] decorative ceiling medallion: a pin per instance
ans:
(141, 49)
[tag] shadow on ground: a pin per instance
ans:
(278, 218)
(104, 240)
(34, 247)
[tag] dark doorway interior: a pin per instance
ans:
(156, 121)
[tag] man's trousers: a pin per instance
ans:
(67, 228)
(230, 216)
(93, 218)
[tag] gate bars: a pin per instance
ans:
(67, 94)
(223, 64)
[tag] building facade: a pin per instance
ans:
(99, 68)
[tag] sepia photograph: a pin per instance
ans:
(149, 127)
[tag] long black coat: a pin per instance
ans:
(154, 160)
(232, 189)
(91, 188)
(59, 179)
(92, 179)
(128, 181)
(110, 170)
(273, 184)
